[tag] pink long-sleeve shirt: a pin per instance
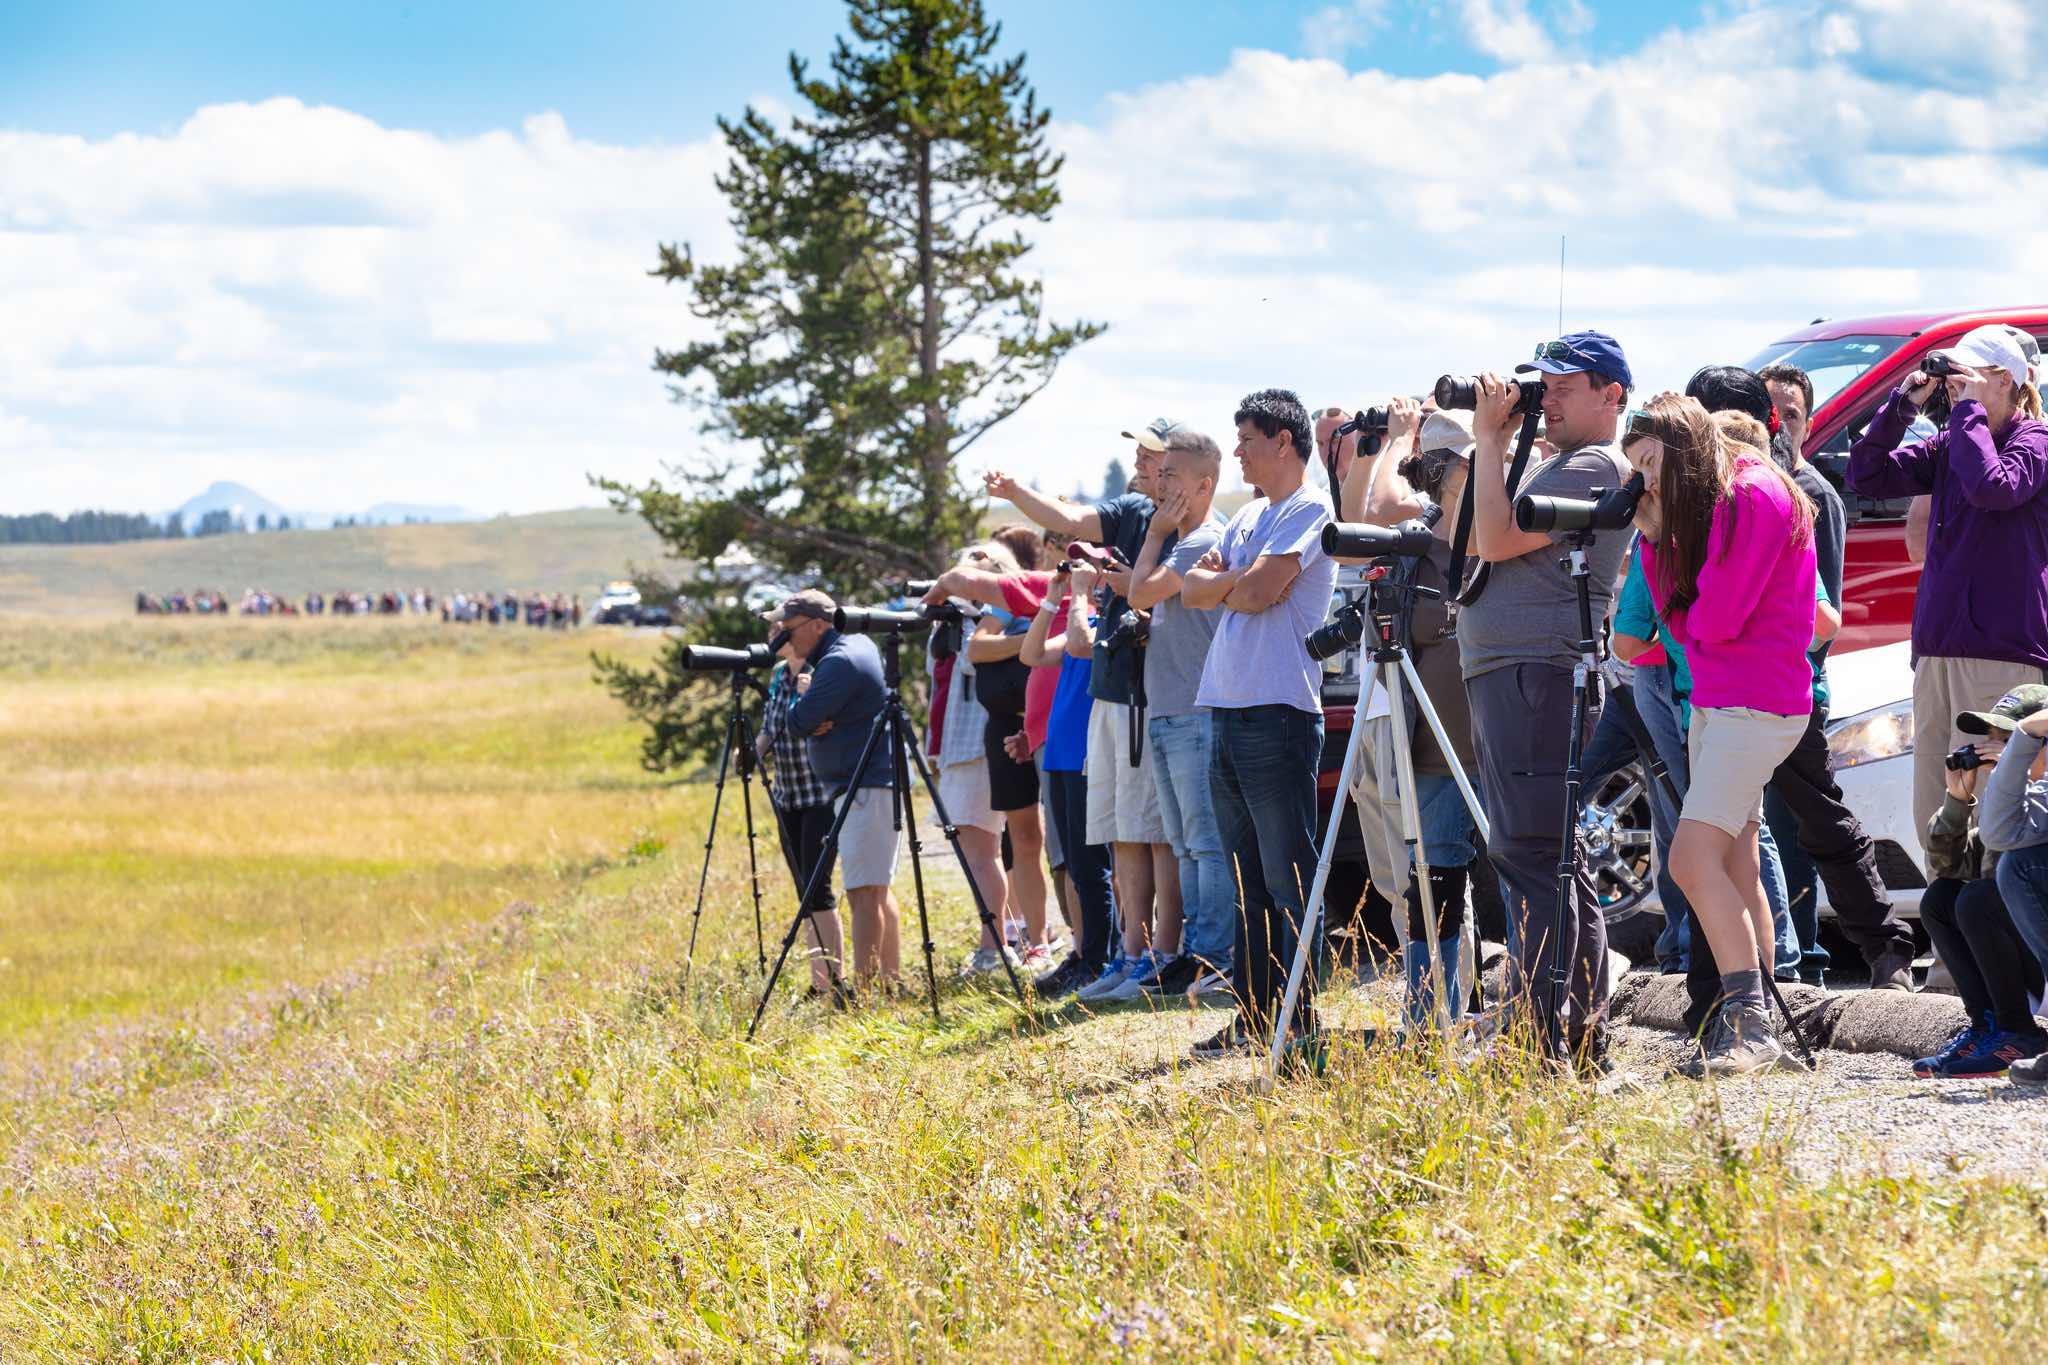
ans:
(1746, 635)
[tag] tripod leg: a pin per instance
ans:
(1420, 694)
(904, 744)
(710, 836)
(746, 737)
(1556, 986)
(981, 908)
(821, 875)
(1411, 836)
(1312, 904)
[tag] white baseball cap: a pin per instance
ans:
(1991, 348)
(1446, 430)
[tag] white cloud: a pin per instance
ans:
(1335, 29)
(335, 312)
(1505, 31)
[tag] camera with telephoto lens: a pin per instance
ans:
(1461, 392)
(1341, 632)
(918, 587)
(1609, 509)
(712, 659)
(1964, 759)
(881, 621)
(1131, 628)
(1412, 539)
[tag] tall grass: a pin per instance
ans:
(527, 1138)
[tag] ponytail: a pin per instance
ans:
(2029, 401)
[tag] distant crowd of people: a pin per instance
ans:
(559, 610)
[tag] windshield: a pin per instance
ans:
(1832, 365)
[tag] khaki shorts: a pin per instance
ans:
(1733, 750)
(1123, 802)
(963, 787)
(869, 842)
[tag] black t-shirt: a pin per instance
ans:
(1125, 520)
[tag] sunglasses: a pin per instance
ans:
(1639, 424)
(1560, 350)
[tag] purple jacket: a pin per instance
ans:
(1984, 590)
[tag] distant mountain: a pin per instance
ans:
(236, 500)
(398, 513)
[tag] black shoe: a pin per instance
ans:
(1893, 970)
(1174, 978)
(1229, 1041)
(1065, 979)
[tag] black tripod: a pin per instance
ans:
(739, 733)
(891, 726)
(1623, 698)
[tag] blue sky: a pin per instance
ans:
(346, 254)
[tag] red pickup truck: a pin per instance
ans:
(1854, 363)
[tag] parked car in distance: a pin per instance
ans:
(617, 605)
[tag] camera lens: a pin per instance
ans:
(712, 659)
(1341, 632)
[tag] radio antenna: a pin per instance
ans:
(1560, 284)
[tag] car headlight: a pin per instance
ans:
(1873, 736)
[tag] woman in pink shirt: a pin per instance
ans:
(1728, 555)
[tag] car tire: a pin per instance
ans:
(1615, 852)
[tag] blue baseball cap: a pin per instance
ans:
(1579, 352)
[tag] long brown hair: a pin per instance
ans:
(1697, 471)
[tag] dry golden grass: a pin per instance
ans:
(192, 805)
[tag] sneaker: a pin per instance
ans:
(1746, 1044)
(1209, 985)
(1112, 976)
(1175, 977)
(1927, 1068)
(1141, 978)
(1996, 1053)
(1036, 959)
(987, 960)
(1065, 979)
(1229, 1041)
(2032, 1071)
(1893, 970)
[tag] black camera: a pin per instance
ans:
(1357, 540)
(1461, 392)
(1964, 759)
(1341, 632)
(1131, 629)
(918, 587)
(1610, 509)
(878, 621)
(712, 659)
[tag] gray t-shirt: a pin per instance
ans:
(1528, 612)
(1180, 633)
(1258, 658)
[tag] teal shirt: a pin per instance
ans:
(1635, 614)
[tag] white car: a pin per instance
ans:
(1870, 730)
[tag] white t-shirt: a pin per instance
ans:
(1258, 658)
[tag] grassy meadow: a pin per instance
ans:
(344, 1021)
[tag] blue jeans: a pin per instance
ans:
(1802, 882)
(1447, 828)
(1089, 889)
(1262, 781)
(1658, 705)
(2023, 882)
(1771, 867)
(1208, 893)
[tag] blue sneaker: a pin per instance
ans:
(1995, 1052)
(1927, 1068)
(1141, 979)
(1112, 976)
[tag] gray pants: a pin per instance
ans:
(1521, 724)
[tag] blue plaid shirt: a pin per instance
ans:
(796, 784)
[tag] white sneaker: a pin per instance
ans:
(1112, 976)
(987, 960)
(1210, 983)
(1037, 958)
(1147, 970)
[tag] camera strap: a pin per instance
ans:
(1462, 593)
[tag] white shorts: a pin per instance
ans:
(1733, 750)
(1123, 802)
(963, 788)
(868, 841)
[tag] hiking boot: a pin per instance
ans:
(1112, 976)
(1693, 1066)
(1927, 1068)
(1064, 979)
(1893, 970)
(1746, 1045)
(1138, 981)
(1995, 1053)
(1229, 1041)
(1174, 978)
(2032, 1071)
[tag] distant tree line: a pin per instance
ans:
(107, 528)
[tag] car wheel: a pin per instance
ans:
(1615, 855)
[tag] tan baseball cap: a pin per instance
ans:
(1153, 434)
(811, 603)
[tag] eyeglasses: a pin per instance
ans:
(1640, 423)
(1560, 350)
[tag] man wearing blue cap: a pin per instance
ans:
(1517, 646)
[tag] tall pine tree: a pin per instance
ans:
(873, 327)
